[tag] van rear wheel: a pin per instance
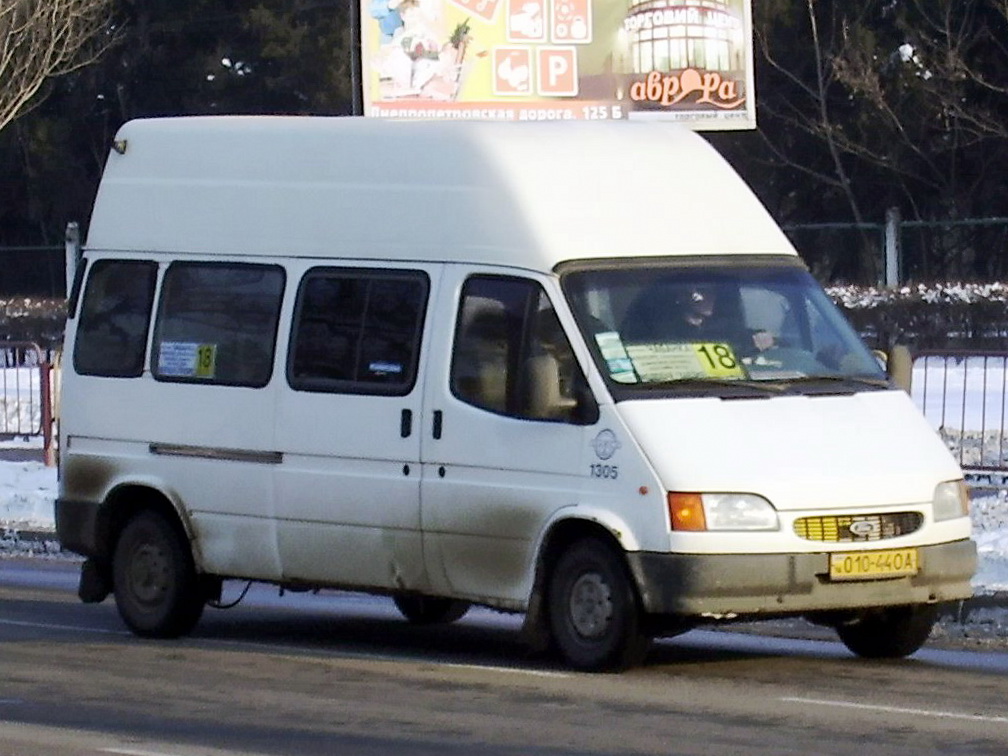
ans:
(430, 610)
(594, 615)
(889, 632)
(154, 578)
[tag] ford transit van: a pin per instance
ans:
(569, 370)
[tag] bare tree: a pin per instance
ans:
(902, 103)
(813, 87)
(40, 39)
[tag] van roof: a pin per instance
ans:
(524, 194)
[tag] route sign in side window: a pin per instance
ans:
(217, 323)
(357, 331)
(115, 317)
(511, 355)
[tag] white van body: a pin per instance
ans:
(633, 498)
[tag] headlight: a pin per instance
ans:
(721, 511)
(951, 499)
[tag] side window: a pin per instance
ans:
(357, 331)
(115, 316)
(511, 355)
(217, 323)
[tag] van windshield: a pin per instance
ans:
(653, 326)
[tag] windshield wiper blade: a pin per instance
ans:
(863, 380)
(770, 387)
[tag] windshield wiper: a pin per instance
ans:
(862, 380)
(770, 387)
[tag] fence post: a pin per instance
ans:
(72, 240)
(892, 247)
(45, 390)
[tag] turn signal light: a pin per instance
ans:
(686, 511)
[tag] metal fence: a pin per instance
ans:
(27, 394)
(895, 251)
(964, 394)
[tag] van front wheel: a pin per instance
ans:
(594, 617)
(155, 583)
(890, 632)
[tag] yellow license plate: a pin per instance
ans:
(873, 565)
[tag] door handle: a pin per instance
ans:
(436, 429)
(406, 423)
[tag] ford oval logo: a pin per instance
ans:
(605, 444)
(864, 528)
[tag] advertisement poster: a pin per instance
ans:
(682, 60)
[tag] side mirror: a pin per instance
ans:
(586, 410)
(899, 366)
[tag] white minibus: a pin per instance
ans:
(570, 370)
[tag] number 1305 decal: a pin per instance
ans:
(609, 472)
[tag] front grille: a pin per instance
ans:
(857, 528)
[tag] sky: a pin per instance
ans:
(969, 410)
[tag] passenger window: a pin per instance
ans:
(217, 323)
(115, 317)
(511, 355)
(357, 331)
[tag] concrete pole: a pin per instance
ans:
(73, 243)
(892, 247)
(356, 72)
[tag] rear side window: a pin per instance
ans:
(357, 331)
(217, 323)
(115, 317)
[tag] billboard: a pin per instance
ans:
(683, 60)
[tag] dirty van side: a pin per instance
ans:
(480, 376)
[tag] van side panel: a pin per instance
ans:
(209, 449)
(348, 489)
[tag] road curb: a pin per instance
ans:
(29, 541)
(960, 611)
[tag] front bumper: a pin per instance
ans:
(729, 585)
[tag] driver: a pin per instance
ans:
(699, 322)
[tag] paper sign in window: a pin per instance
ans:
(614, 353)
(672, 362)
(184, 359)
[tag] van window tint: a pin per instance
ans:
(511, 355)
(357, 331)
(217, 323)
(112, 335)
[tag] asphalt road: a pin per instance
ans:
(340, 674)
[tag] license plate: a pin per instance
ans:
(873, 565)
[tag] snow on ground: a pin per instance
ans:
(27, 493)
(989, 510)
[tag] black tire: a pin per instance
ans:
(430, 610)
(888, 633)
(155, 583)
(594, 615)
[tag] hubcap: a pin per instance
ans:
(148, 575)
(591, 606)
